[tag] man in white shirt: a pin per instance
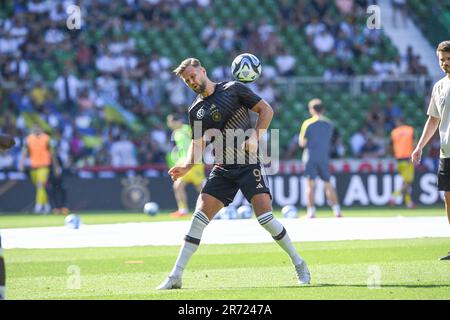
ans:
(439, 117)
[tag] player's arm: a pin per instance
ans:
(265, 115)
(302, 140)
(428, 131)
(195, 152)
(194, 156)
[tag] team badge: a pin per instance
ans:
(200, 114)
(216, 115)
(135, 192)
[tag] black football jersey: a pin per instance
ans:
(224, 118)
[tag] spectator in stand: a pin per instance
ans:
(371, 149)
(285, 63)
(337, 146)
(375, 118)
(321, 7)
(358, 140)
(84, 58)
(399, 8)
(67, 86)
(273, 46)
(313, 28)
(39, 95)
(123, 152)
(285, 14)
(323, 42)
(392, 112)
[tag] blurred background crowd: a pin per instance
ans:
(103, 91)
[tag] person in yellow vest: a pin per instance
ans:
(37, 146)
(403, 145)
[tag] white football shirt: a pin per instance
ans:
(440, 108)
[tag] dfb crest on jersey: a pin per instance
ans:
(135, 192)
(216, 115)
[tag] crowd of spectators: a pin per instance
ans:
(86, 74)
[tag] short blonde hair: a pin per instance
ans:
(186, 63)
(314, 102)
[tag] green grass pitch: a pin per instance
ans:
(31, 220)
(376, 269)
(383, 269)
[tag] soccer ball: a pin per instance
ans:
(246, 67)
(151, 208)
(72, 221)
(290, 212)
(244, 212)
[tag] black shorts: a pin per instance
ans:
(444, 174)
(225, 181)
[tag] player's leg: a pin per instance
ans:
(447, 204)
(444, 185)
(397, 193)
(41, 192)
(207, 207)
(262, 205)
(332, 197)
(179, 190)
(34, 177)
(330, 191)
(447, 209)
(407, 193)
(255, 188)
(310, 198)
(2, 274)
(310, 174)
(218, 191)
(408, 178)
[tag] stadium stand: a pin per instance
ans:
(437, 29)
(103, 91)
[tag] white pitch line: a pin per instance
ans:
(224, 232)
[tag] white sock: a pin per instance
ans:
(191, 243)
(336, 209)
(279, 234)
(311, 211)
